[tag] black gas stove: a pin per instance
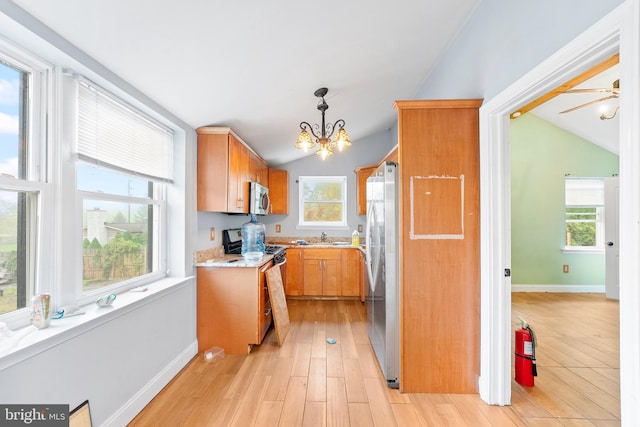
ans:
(232, 243)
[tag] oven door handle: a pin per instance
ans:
(284, 261)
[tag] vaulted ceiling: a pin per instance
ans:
(585, 120)
(254, 66)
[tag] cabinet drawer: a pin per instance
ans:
(321, 253)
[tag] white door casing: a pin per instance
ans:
(619, 31)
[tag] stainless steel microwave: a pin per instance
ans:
(259, 199)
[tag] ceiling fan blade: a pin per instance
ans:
(589, 90)
(588, 103)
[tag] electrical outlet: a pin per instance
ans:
(278, 228)
(359, 228)
(212, 233)
(565, 268)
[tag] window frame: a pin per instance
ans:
(302, 224)
(159, 244)
(598, 222)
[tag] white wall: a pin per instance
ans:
(505, 39)
(118, 364)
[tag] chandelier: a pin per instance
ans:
(324, 141)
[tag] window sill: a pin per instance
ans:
(27, 342)
(579, 250)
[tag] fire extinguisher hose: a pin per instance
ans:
(534, 369)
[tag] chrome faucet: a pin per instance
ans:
(323, 237)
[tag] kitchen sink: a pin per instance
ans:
(341, 243)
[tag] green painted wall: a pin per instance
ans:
(541, 155)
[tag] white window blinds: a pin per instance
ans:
(114, 134)
(584, 192)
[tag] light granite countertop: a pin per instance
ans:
(232, 261)
(215, 257)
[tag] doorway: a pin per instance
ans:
(617, 31)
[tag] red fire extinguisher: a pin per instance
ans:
(525, 359)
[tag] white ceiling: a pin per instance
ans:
(254, 65)
(585, 122)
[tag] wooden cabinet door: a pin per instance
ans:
(262, 173)
(212, 173)
(313, 277)
(279, 191)
(258, 170)
(351, 272)
(322, 271)
(361, 190)
(245, 178)
(234, 189)
(294, 284)
(331, 277)
(228, 308)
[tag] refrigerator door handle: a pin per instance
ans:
(369, 244)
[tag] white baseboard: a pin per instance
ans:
(598, 289)
(129, 410)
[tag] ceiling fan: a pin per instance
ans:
(614, 92)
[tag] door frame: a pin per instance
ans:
(619, 31)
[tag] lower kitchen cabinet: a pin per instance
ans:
(233, 307)
(351, 270)
(325, 272)
(294, 283)
(322, 272)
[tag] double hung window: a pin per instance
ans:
(22, 177)
(584, 213)
(323, 201)
(124, 164)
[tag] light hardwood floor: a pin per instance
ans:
(308, 382)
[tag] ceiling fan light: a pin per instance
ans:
(304, 141)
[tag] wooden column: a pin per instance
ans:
(439, 200)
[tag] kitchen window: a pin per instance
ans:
(323, 201)
(124, 165)
(584, 213)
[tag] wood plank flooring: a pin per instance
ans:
(308, 382)
(578, 355)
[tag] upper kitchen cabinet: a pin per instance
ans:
(226, 165)
(361, 190)
(259, 170)
(279, 191)
(439, 237)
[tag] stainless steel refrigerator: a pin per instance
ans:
(382, 266)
